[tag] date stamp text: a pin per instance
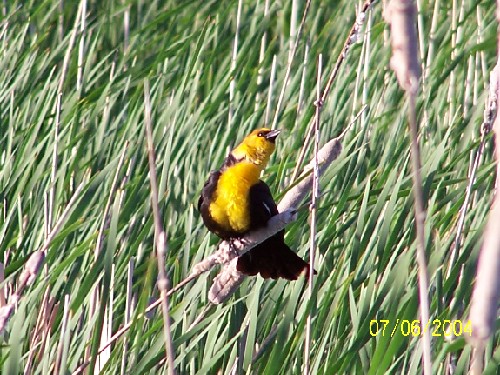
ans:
(405, 327)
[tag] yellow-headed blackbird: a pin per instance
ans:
(234, 201)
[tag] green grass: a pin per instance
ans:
(366, 234)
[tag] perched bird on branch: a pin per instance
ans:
(235, 201)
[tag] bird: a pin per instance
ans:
(234, 201)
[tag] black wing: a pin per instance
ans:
(262, 205)
(211, 184)
(208, 189)
(207, 195)
(272, 258)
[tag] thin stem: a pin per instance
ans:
(271, 90)
(262, 53)
(423, 277)
(313, 208)
(53, 175)
(300, 101)
(60, 360)
(401, 15)
(81, 47)
(232, 83)
(289, 66)
(128, 309)
(59, 223)
(68, 50)
(160, 235)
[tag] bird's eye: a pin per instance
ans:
(260, 134)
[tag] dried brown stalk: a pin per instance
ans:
(401, 15)
(160, 235)
(486, 294)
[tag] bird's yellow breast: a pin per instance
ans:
(231, 206)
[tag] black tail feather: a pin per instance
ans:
(273, 259)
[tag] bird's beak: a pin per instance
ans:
(271, 136)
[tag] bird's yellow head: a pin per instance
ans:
(257, 147)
